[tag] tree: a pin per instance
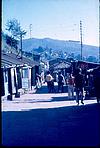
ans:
(11, 41)
(13, 26)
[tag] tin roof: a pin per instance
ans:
(8, 59)
(62, 65)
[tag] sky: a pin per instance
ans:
(56, 19)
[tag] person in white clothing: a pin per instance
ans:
(70, 86)
(61, 82)
(49, 80)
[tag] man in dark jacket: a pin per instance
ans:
(60, 82)
(79, 85)
(96, 75)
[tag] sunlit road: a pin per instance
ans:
(41, 99)
(43, 119)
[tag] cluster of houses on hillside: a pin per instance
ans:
(18, 74)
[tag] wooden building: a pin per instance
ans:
(14, 71)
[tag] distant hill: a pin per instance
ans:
(57, 45)
(68, 46)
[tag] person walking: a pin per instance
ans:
(96, 76)
(53, 90)
(61, 82)
(70, 86)
(79, 86)
(49, 80)
(91, 90)
(38, 80)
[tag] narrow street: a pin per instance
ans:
(49, 119)
(50, 73)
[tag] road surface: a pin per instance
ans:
(42, 119)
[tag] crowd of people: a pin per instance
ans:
(83, 84)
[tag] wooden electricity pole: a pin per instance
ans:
(99, 31)
(81, 38)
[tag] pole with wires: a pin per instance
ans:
(81, 38)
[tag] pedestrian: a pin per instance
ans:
(91, 85)
(49, 80)
(53, 90)
(61, 82)
(79, 86)
(70, 86)
(57, 77)
(42, 77)
(96, 75)
(38, 81)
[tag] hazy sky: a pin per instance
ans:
(57, 19)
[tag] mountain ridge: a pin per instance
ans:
(68, 46)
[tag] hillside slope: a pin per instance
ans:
(68, 46)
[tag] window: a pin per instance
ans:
(5, 76)
(25, 73)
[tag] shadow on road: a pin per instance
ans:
(65, 98)
(64, 126)
(44, 90)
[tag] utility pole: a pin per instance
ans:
(81, 37)
(99, 41)
(30, 30)
(99, 31)
(21, 43)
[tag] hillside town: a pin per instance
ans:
(50, 81)
(19, 69)
(25, 87)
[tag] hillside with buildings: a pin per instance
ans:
(61, 48)
(49, 49)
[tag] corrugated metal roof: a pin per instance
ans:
(62, 65)
(9, 59)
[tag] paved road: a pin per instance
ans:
(44, 121)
